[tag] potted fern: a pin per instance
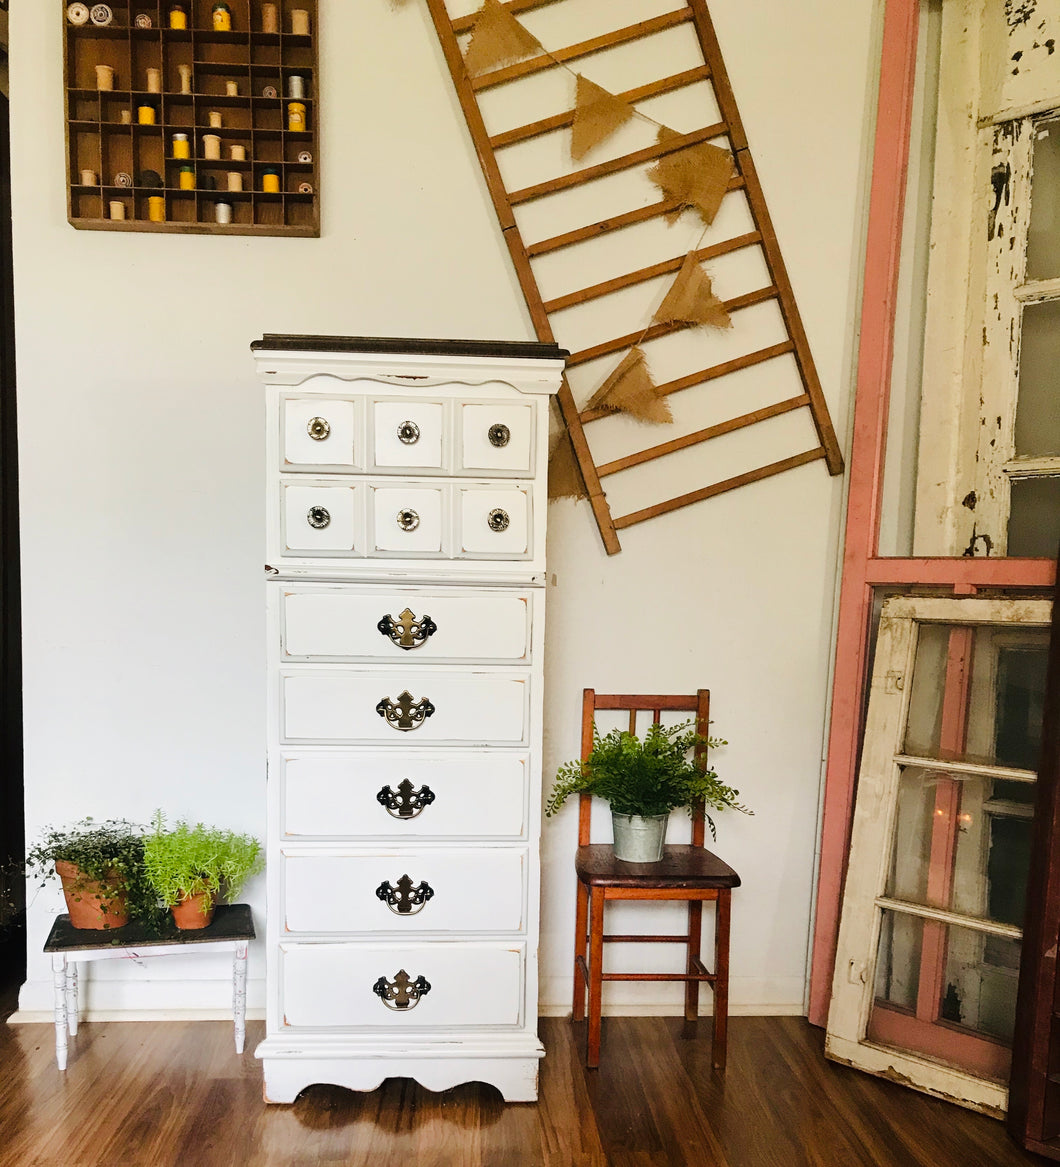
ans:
(101, 867)
(643, 780)
(191, 867)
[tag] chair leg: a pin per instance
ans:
(695, 936)
(581, 925)
(596, 969)
(721, 982)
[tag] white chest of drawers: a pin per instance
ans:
(406, 535)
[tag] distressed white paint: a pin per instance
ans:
(140, 458)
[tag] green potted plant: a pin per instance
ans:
(643, 780)
(191, 867)
(101, 867)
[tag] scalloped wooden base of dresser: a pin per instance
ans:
(292, 1063)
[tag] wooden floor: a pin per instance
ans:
(176, 1094)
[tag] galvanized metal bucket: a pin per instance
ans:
(639, 839)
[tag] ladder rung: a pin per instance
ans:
(700, 378)
(747, 300)
(619, 36)
(572, 299)
(560, 120)
(661, 508)
(658, 977)
(714, 431)
(641, 939)
(467, 23)
(591, 173)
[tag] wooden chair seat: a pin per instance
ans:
(681, 866)
(688, 873)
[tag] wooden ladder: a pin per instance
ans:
(763, 236)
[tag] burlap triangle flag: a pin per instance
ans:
(691, 299)
(697, 176)
(631, 390)
(497, 39)
(597, 114)
(564, 474)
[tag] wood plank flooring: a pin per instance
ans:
(176, 1095)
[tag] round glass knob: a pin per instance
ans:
(498, 520)
(499, 435)
(318, 428)
(408, 433)
(408, 520)
(318, 517)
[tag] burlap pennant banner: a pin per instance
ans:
(691, 299)
(498, 39)
(697, 176)
(630, 389)
(597, 114)
(564, 474)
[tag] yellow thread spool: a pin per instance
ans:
(222, 17)
(178, 18)
(156, 209)
(187, 178)
(270, 182)
(145, 115)
(181, 146)
(295, 115)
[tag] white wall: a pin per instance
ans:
(141, 473)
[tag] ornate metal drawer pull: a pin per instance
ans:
(406, 631)
(408, 520)
(408, 433)
(402, 992)
(318, 517)
(499, 435)
(407, 802)
(405, 899)
(404, 713)
(319, 428)
(498, 520)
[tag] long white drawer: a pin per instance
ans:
(406, 891)
(419, 707)
(343, 623)
(403, 794)
(331, 986)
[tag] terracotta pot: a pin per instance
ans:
(189, 914)
(87, 908)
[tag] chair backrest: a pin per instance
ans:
(697, 703)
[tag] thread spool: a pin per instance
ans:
(178, 18)
(270, 18)
(222, 213)
(145, 115)
(104, 78)
(295, 86)
(295, 116)
(89, 178)
(156, 209)
(186, 179)
(237, 153)
(154, 80)
(222, 17)
(211, 147)
(185, 78)
(231, 88)
(299, 22)
(181, 146)
(235, 180)
(117, 209)
(126, 117)
(215, 119)
(270, 182)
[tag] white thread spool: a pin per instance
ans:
(235, 180)
(154, 80)
(211, 147)
(222, 212)
(117, 210)
(299, 22)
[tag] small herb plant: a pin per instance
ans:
(188, 860)
(99, 850)
(646, 777)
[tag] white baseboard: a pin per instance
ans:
(46, 1017)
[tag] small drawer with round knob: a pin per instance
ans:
(494, 522)
(319, 520)
(317, 432)
(407, 520)
(496, 439)
(407, 435)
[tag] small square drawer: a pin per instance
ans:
(494, 521)
(319, 432)
(402, 794)
(407, 434)
(407, 519)
(405, 891)
(432, 984)
(407, 708)
(496, 438)
(319, 519)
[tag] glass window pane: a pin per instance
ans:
(924, 719)
(1034, 517)
(1037, 416)
(1043, 239)
(1021, 670)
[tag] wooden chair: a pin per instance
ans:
(686, 872)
